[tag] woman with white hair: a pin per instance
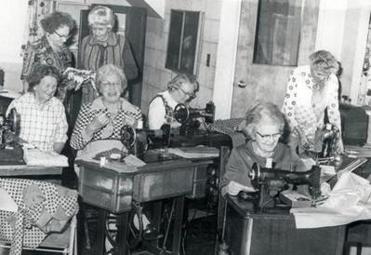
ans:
(181, 89)
(99, 123)
(103, 46)
(311, 91)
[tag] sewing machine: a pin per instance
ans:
(9, 127)
(189, 117)
(269, 182)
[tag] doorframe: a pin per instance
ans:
(226, 57)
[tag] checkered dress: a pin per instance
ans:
(19, 228)
(127, 115)
(41, 125)
(304, 105)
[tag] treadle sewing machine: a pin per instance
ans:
(119, 188)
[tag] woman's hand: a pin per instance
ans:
(99, 121)
(233, 188)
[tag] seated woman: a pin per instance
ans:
(99, 123)
(181, 89)
(264, 124)
(42, 116)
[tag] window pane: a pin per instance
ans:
(173, 46)
(278, 32)
(189, 42)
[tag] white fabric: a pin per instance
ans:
(157, 112)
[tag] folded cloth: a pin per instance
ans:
(36, 157)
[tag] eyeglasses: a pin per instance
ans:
(269, 136)
(189, 94)
(62, 36)
(106, 84)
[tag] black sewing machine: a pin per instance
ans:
(189, 117)
(9, 127)
(269, 182)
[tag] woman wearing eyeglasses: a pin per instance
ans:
(311, 90)
(181, 89)
(263, 125)
(99, 123)
(51, 48)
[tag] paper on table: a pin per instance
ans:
(195, 152)
(349, 201)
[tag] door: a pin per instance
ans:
(263, 82)
(135, 30)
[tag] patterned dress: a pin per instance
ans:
(128, 114)
(40, 52)
(305, 104)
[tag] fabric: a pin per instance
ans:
(304, 104)
(95, 54)
(243, 157)
(41, 125)
(36, 200)
(40, 52)
(161, 111)
(127, 115)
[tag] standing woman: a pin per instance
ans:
(51, 48)
(103, 46)
(312, 90)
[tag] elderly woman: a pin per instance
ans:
(99, 123)
(312, 90)
(42, 116)
(51, 49)
(181, 89)
(103, 46)
(264, 125)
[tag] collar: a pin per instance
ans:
(112, 40)
(98, 104)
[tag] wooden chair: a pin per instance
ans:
(64, 243)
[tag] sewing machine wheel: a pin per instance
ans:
(128, 135)
(181, 113)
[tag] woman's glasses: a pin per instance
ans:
(269, 136)
(62, 36)
(189, 94)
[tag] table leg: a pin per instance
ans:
(178, 220)
(100, 234)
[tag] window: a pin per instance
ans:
(278, 32)
(183, 41)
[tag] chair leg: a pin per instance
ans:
(72, 243)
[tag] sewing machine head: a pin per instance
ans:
(138, 141)
(270, 182)
(188, 117)
(9, 127)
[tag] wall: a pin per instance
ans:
(12, 34)
(156, 76)
(266, 82)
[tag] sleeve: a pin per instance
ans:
(289, 101)
(299, 114)
(81, 60)
(333, 102)
(28, 61)
(130, 65)
(79, 138)
(236, 170)
(61, 127)
(156, 114)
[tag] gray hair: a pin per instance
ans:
(107, 70)
(101, 15)
(262, 111)
(178, 80)
(324, 62)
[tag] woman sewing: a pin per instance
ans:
(181, 89)
(43, 120)
(99, 123)
(263, 125)
(311, 91)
